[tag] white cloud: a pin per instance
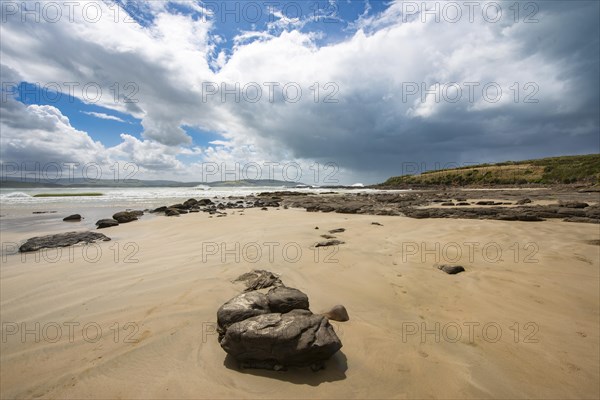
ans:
(104, 116)
(374, 125)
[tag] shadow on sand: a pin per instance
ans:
(335, 370)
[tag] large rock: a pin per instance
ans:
(61, 240)
(74, 217)
(106, 223)
(275, 341)
(123, 217)
(284, 299)
(241, 307)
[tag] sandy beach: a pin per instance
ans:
(135, 317)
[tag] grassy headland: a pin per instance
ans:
(583, 170)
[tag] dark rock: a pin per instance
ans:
(523, 201)
(275, 341)
(338, 230)
(582, 220)
(337, 313)
(529, 218)
(264, 209)
(329, 243)
(189, 203)
(328, 236)
(573, 204)
(205, 202)
(106, 223)
(61, 240)
(283, 299)
(485, 203)
(259, 279)
(160, 209)
(74, 217)
(448, 204)
(451, 269)
(178, 206)
(241, 307)
(171, 212)
(376, 223)
(462, 203)
(125, 216)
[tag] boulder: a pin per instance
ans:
(74, 217)
(283, 299)
(125, 216)
(61, 240)
(160, 209)
(241, 307)
(275, 341)
(337, 313)
(171, 212)
(106, 223)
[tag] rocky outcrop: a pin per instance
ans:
(276, 330)
(61, 240)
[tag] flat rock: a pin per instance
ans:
(337, 313)
(337, 230)
(451, 269)
(259, 279)
(106, 223)
(283, 299)
(275, 341)
(61, 240)
(333, 242)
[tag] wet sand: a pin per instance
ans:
(135, 317)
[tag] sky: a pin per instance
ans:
(322, 92)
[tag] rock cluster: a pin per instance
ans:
(275, 330)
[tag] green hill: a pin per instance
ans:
(554, 170)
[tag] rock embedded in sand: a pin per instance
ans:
(451, 269)
(61, 240)
(106, 223)
(74, 217)
(326, 243)
(523, 201)
(275, 341)
(573, 204)
(283, 299)
(276, 330)
(337, 230)
(337, 313)
(125, 216)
